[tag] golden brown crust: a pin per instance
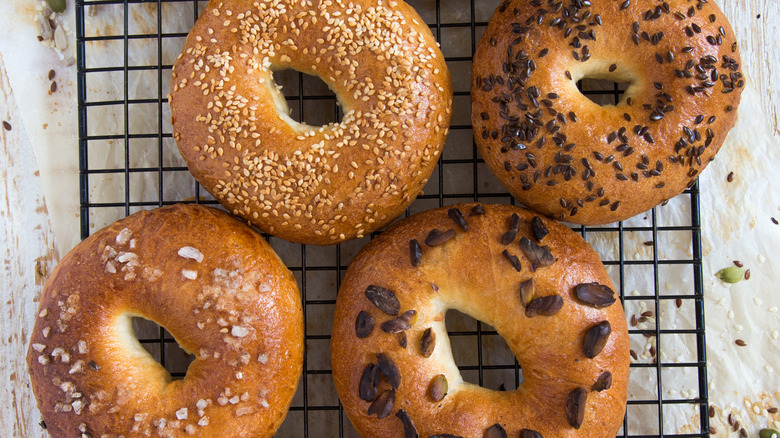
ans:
(469, 273)
(302, 183)
(214, 284)
(599, 164)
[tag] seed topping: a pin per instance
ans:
(439, 387)
(415, 252)
(384, 299)
(389, 369)
(437, 237)
(575, 407)
(596, 339)
(537, 255)
(594, 294)
(603, 383)
(364, 324)
(427, 342)
(544, 306)
(457, 216)
(369, 381)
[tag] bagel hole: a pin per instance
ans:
(162, 347)
(308, 99)
(477, 349)
(602, 91)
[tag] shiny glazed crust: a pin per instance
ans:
(470, 273)
(307, 184)
(214, 284)
(567, 157)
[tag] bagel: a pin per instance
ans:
(214, 284)
(552, 304)
(307, 184)
(565, 156)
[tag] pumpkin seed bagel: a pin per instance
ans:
(311, 184)
(536, 281)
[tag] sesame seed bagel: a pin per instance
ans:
(309, 184)
(541, 287)
(565, 156)
(214, 284)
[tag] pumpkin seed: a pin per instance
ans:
(509, 237)
(538, 229)
(514, 222)
(389, 369)
(545, 306)
(495, 431)
(527, 289)
(402, 339)
(409, 430)
(769, 433)
(513, 260)
(596, 339)
(439, 387)
(536, 254)
(528, 433)
(409, 316)
(437, 237)
(594, 294)
(384, 299)
(427, 342)
(383, 404)
(369, 382)
(575, 407)
(731, 274)
(415, 252)
(364, 324)
(603, 383)
(457, 216)
(478, 210)
(57, 5)
(395, 325)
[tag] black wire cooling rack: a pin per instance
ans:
(117, 88)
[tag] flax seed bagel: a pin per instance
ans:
(537, 282)
(308, 184)
(214, 284)
(565, 156)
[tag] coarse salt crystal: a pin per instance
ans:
(204, 421)
(181, 414)
(263, 358)
(124, 236)
(189, 252)
(83, 347)
(233, 400)
(263, 403)
(43, 313)
(239, 331)
(38, 347)
(201, 404)
(190, 275)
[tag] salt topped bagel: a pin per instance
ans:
(308, 184)
(537, 282)
(565, 156)
(214, 284)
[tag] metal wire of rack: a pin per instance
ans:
(316, 410)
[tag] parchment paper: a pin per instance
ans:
(736, 216)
